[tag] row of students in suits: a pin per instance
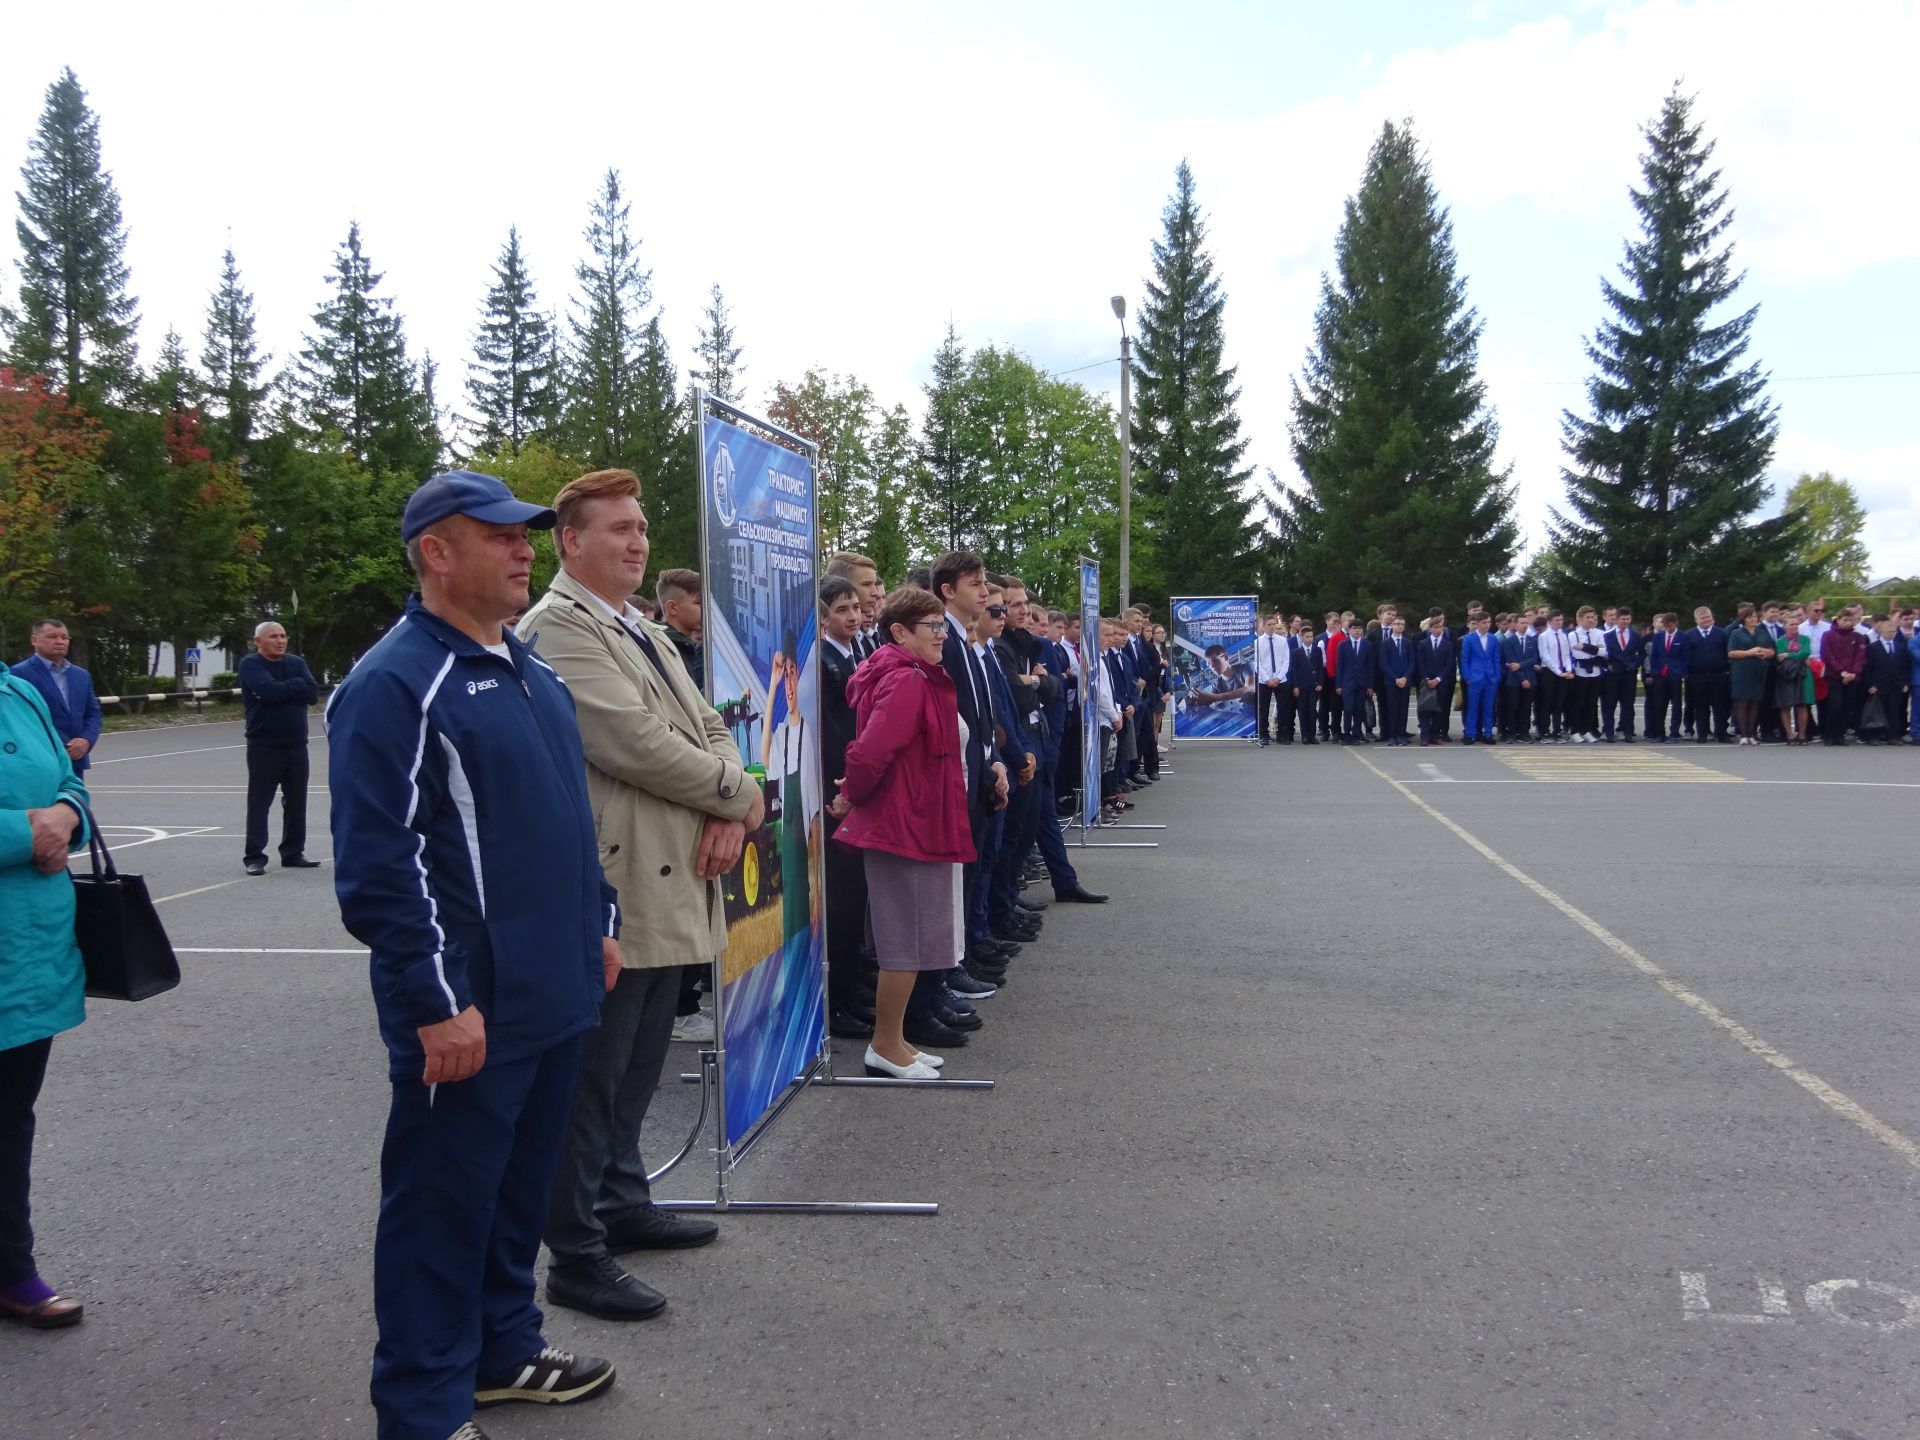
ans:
(1010, 688)
(1778, 672)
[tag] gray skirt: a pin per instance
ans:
(910, 904)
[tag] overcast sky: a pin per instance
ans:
(854, 176)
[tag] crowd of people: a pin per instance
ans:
(1780, 673)
(533, 807)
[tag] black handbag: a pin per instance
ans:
(126, 951)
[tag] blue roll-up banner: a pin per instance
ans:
(1212, 643)
(762, 670)
(1089, 721)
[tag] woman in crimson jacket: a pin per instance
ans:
(906, 791)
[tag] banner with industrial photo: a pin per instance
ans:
(1212, 643)
(1089, 721)
(758, 533)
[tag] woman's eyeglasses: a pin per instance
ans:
(936, 628)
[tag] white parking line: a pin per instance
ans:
(1432, 772)
(168, 754)
(1833, 1099)
(204, 889)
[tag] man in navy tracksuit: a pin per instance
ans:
(455, 763)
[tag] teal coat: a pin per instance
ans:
(41, 979)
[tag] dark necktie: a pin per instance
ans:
(646, 648)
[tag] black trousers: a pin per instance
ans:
(1549, 703)
(1662, 704)
(1445, 729)
(600, 1177)
(1707, 700)
(1330, 711)
(1393, 710)
(1617, 698)
(846, 906)
(1273, 705)
(22, 1068)
(272, 768)
(1516, 709)
(1840, 711)
(1306, 713)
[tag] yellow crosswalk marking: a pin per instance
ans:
(1581, 765)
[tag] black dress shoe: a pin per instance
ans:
(1079, 895)
(601, 1288)
(650, 1228)
(930, 1033)
(994, 952)
(844, 1026)
(1033, 907)
(256, 867)
(953, 1020)
(299, 862)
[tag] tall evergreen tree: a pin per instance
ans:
(76, 321)
(1391, 428)
(176, 387)
(353, 376)
(512, 379)
(663, 456)
(1186, 428)
(948, 471)
(720, 372)
(609, 334)
(231, 360)
(1667, 475)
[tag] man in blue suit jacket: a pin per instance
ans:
(1519, 667)
(1480, 673)
(1664, 668)
(1433, 661)
(68, 691)
(1393, 679)
(1709, 674)
(1626, 648)
(1356, 683)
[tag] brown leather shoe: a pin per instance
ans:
(54, 1313)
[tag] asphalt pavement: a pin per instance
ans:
(1399, 1093)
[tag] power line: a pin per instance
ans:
(1782, 379)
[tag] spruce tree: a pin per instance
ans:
(720, 372)
(1391, 428)
(231, 359)
(511, 379)
(948, 472)
(609, 333)
(353, 376)
(663, 456)
(76, 321)
(175, 387)
(1667, 474)
(1186, 430)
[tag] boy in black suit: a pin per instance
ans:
(1309, 676)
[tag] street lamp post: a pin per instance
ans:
(1126, 450)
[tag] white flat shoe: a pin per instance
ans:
(931, 1061)
(878, 1064)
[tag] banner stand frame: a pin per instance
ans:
(711, 1076)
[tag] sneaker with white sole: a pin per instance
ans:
(697, 1027)
(468, 1431)
(553, 1377)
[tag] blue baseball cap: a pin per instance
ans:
(467, 492)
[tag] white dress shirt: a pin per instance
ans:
(1272, 658)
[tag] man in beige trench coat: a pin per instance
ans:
(672, 804)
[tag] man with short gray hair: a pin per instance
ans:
(276, 689)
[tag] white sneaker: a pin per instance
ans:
(697, 1027)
